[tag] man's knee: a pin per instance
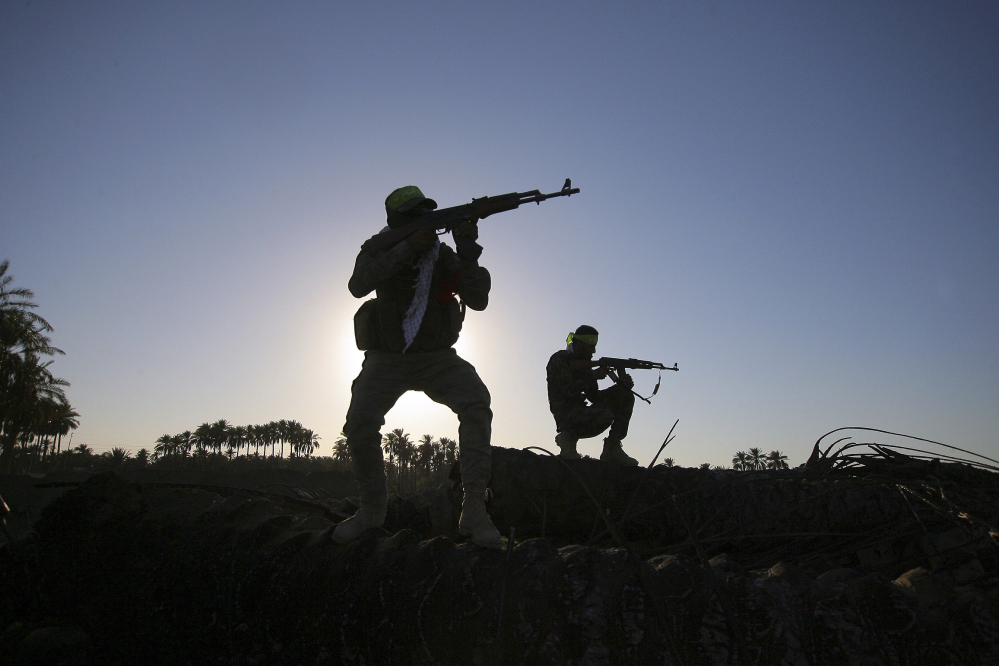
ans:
(620, 395)
(363, 433)
(473, 390)
(460, 388)
(476, 412)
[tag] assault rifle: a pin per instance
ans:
(616, 369)
(447, 218)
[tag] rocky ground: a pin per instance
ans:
(880, 559)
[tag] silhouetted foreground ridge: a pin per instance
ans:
(887, 559)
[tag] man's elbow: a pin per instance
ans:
(357, 289)
(477, 304)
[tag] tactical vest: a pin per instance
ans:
(378, 322)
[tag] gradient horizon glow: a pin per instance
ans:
(798, 203)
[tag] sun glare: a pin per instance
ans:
(414, 412)
(349, 357)
(466, 346)
(419, 415)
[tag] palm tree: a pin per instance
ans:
(203, 437)
(20, 329)
(439, 461)
(425, 453)
(263, 431)
(29, 388)
(340, 450)
(450, 450)
(184, 442)
(252, 439)
(756, 458)
(179, 448)
(118, 455)
(164, 446)
(740, 461)
(84, 451)
(389, 440)
(309, 441)
(668, 462)
(406, 455)
(263, 438)
(238, 438)
(289, 431)
(53, 419)
(297, 433)
(48, 420)
(65, 419)
(219, 434)
(26, 383)
(271, 434)
(397, 444)
(776, 460)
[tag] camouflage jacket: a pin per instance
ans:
(392, 276)
(568, 388)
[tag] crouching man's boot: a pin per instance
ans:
(475, 522)
(374, 500)
(614, 453)
(567, 445)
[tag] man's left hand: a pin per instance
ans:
(466, 229)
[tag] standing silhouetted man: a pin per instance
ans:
(407, 333)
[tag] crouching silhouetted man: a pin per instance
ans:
(572, 381)
(407, 333)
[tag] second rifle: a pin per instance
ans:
(618, 366)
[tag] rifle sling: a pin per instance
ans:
(654, 391)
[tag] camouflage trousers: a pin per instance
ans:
(611, 408)
(445, 378)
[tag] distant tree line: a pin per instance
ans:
(428, 461)
(745, 461)
(119, 458)
(754, 458)
(410, 465)
(222, 438)
(34, 412)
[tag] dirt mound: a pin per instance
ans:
(683, 566)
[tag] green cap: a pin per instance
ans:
(406, 198)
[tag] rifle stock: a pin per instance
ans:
(447, 218)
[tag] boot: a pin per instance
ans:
(475, 522)
(567, 445)
(374, 501)
(615, 454)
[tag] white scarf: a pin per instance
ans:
(414, 315)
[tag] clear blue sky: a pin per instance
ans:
(796, 202)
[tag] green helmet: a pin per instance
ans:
(406, 198)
